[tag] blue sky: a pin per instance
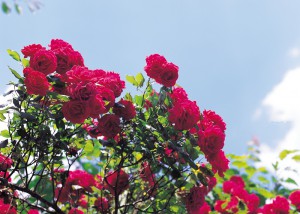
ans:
(230, 53)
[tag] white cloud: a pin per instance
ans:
(294, 52)
(282, 104)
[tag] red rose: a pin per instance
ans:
(279, 205)
(195, 199)
(295, 199)
(67, 58)
(82, 91)
(184, 115)
(59, 43)
(168, 75)
(125, 109)
(210, 118)
(78, 74)
(97, 106)
(30, 50)
(7, 208)
(219, 162)
(252, 202)
(43, 61)
(117, 182)
(75, 211)
(211, 140)
(32, 211)
(178, 95)
(109, 125)
(76, 111)
(161, 71)
(147, 174)
(112, 81)
(154, 65)
(107, 96)
(5, 162)
(101, 205)
(35, 82)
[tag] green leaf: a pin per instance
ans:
(240, 164)
(140, 79)
(284, 153)
(25, 63)
(14, 55)
(264, 192)
(138, 100)
(15, 73)
(128, 97)
(18, 9)
(2, 117)
(5, 8)
(89, 147)
(132, 80)
(296, 158)
(291, 181)
(263, 180)
(5, 133)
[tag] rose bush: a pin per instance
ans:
(77, 143)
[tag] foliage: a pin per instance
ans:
(73, 144)
(71, 147)
(8, 7)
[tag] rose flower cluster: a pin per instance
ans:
(91, 93)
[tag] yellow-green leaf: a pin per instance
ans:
(284, 153)
(14, 55)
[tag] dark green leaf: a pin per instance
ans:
(291, 181)
(5, 8)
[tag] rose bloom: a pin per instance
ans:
(295, 199)
(5, 162)
(97, 106)
(125, 109)
(78, 74)
(75, 211)
(154, 65)
(82, 91)
(33, 211)
(66, 59)
(210, 118)
(59, 43)
(184, 115)
(178, 95)
(35, 82)
(76, 178)
(30, 50)
(279, 205)
(195, 199)
(211, 140)
(219, 162)
(43, 61)
(112, 81)
(168, 75)
(7, 208)
(76, 111)
(109, 125)
(102, 205)
(117, 182)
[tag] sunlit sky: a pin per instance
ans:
(231, 54)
